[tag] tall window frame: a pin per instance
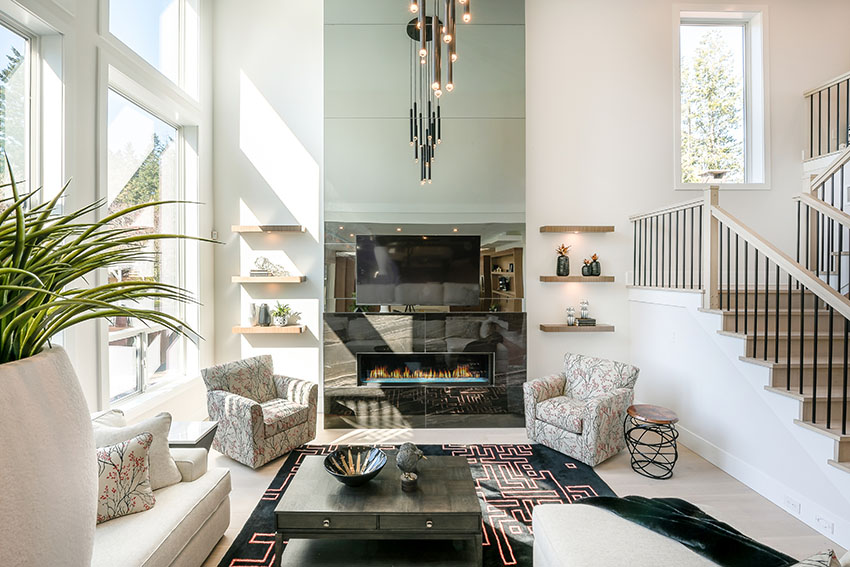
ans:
(756, 124)
(130, 76)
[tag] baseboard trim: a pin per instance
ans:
(770, 488)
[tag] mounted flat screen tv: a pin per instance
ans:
(418, 270)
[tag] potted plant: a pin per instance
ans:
(585, 270)
(563, 266)
(595, 268)
(48, 469)
(282, 313)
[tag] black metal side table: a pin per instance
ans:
(651, 435)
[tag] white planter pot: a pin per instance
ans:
(48, 468)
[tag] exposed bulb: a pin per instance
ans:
(435, 86)
(450, 87)
(438, 93)
(466, 17)
(423, 53)
(422, 60)
(422, 182)
(454, 57)
(414, 7)
(447, 38)
(462, 1)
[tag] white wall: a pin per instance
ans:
(600, 122)
(268, 164)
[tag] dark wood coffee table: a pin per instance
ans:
(325, 522)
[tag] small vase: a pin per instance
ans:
(585, 270)
(563, 268)
(595, 268)
(264, 318)
(281, 320)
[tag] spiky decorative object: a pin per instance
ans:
(563, 250)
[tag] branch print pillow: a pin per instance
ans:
(124, 479)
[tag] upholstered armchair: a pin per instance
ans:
(260, 415)
(580, 412)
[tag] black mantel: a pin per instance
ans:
(348, 405)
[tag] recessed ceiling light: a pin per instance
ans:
(351, 235)
(454, 230)
(342, 227)
(398, 229)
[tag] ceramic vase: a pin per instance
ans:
(280, 320)
(563, 267)
(585, 270)
(48, 465)
(595, 268)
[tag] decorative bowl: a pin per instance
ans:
(355, 465)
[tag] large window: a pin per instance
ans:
(14, 104)
(721, 110)
(162, 32)
(142, 166)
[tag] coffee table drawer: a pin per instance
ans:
(328, 522)
(437, 523)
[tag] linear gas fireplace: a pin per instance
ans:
(439, 368)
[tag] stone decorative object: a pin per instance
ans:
(406, 460)
(264, 316)
(263, 264)
(563, 266)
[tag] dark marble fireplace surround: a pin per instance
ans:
(348, 405)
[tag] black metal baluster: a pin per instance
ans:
(847, 121)
(634, 253)
(808, 238)
(776, 322)
(815, 358)
(820, 121)
(720, 265)
(746, 286)
(677, 249)
(728, 269)
(661, 258)
(670, 251)
(692, 249)
(645, 240)
(699, 244)
(817, 244)
(755, 300)
(811, 126)
(798, 232)
(656, 251)
(844, 386)
(766, 304)
(788, 343)
(737, 271)
(828, 117)
(655, 242)
(828, 377)
(802, 333)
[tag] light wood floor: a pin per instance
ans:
(695, 480)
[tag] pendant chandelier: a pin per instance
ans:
(433, 26)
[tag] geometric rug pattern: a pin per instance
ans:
(510, 481)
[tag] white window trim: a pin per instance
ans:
(757, 105)
(185, 118)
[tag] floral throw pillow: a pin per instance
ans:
(124, 480)
(823, 559)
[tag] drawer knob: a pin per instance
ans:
(429, 524)
(326, 523)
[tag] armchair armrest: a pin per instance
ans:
(296, 390)
(191, 462)
(538, 390)
(606, 413)
(240, 420)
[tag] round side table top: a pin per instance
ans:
(653, 414)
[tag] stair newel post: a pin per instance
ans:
(711, 249)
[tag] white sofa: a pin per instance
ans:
(572, 535)
(182, 528)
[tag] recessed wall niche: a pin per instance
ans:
(477, 189)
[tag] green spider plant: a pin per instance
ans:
(44, 257)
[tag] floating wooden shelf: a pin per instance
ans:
(258, 228)
(270, 330)
(590, 279)
(564, 328)
(268, 279)
(576, 228)
(511, 274)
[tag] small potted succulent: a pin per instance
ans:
(595, 268)
(585, 270)
(282, 313)
(563, 267)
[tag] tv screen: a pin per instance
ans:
(418, 270)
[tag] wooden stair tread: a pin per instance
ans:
(840, 465)
(783, 335)
(806, 396)
(782, 364)
(833, 432)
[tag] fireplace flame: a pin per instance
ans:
(460, 371)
